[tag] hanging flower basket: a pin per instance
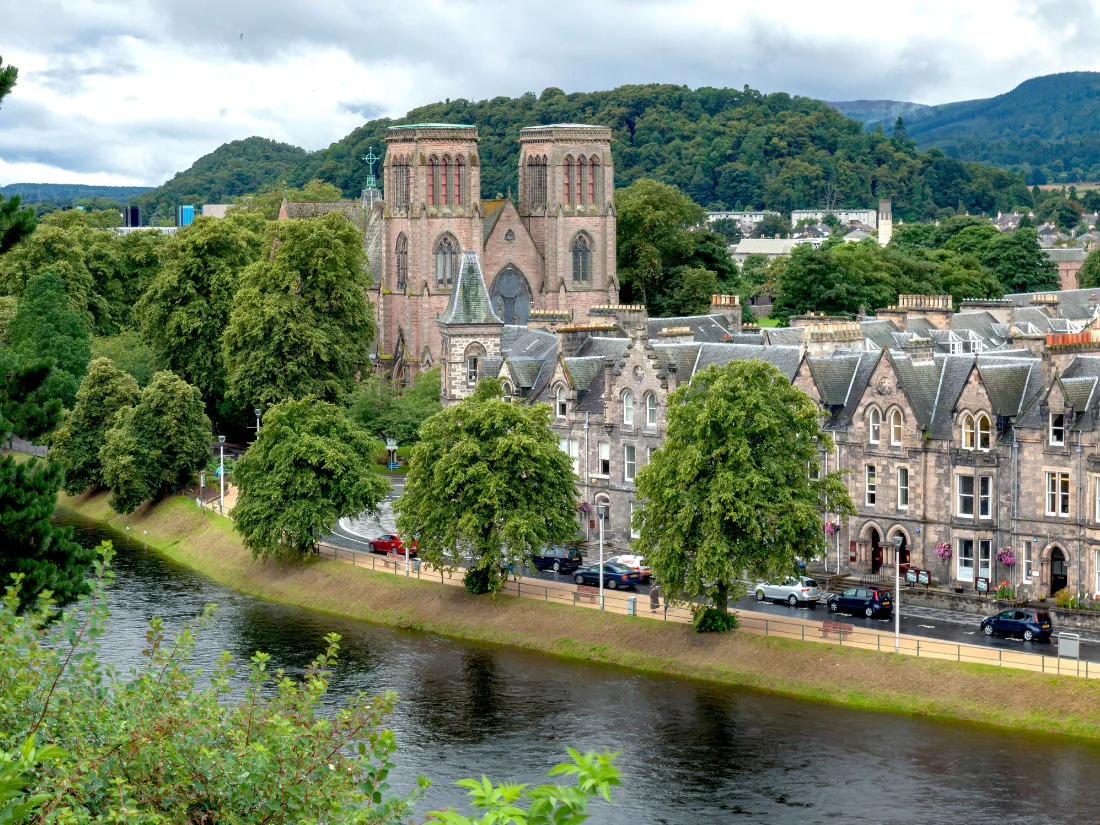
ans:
(943, 550)
(831, 528)
(583, 506)
(1006, 557)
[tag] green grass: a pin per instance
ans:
(767, 322)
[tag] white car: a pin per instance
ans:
(792, 590)
(635, 563)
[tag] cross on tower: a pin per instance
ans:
(371, 159)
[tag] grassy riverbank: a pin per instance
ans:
(978, 694)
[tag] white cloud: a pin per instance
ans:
(135, 90)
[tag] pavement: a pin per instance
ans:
(932, 623)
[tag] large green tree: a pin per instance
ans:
(16, 222)
(734, 490)
(185, 309)
(156, 446)
(1089, 275)
(301, 323)
(46, 326)
(77, 443)
(386, 413)
(488, 480)
(309, 466)
(1019, 263)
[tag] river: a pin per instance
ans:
(691, 752)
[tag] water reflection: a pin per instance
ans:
(690, 752)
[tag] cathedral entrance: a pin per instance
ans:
(511, 296)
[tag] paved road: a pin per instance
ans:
(929, 622)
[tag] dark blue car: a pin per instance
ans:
(1023, 623)
(862, 601)
(615, 576)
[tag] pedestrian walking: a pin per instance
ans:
(654, 597)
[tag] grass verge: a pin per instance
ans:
(985, 695)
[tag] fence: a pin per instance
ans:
(20, 446)
(804, 630)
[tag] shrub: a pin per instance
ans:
(1066, 600)
(713, 620)
(479, 580)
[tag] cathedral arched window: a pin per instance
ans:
(535, 180)
(460, 172)
(582, 259)
(401, 261)
(433, 179)
(582, 180)
(399, 177)
(568, 178)
(443, 176)
(593, 168)
(446, 261)
(577, 180)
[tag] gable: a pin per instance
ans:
(521, 251)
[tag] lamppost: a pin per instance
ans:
(601, 514)
(221, 475)
(898, 541)
(258, 412)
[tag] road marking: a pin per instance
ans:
(927, 626)
(969, 632)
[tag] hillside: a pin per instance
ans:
(724, 147)
(66, 194)
(233, 169)
(1045, 127)
(873, 111)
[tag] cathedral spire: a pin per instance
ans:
(470, 302)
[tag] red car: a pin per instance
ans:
(391, 543)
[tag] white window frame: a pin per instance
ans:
(650, 410)
(870, 484)
(962, 496)
(985, 496)
(561, 404)
(628, 408)
(603, 459)
(1096, 503)
(471, 370)
(963, 572)
(903, 488)
(1027, 560)
(983, 435)
(985, 558)
(874, 426)
(630, 462)
(635, 533)
(1058, 491)
(1057, 432)
(572, 448)
(897, 428)
(969, 432)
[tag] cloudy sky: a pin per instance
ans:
(131, 91)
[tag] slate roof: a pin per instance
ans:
(680, 356)
(1007, 382)
(492, 210)
(469, 303)
(783, 336)
(703, 327)
(920, 382)
(489, 366)
(980, 323)
(1078, 392)
(785, 359)
(747, 338)
(879, 331)
(607, 347)
(1072, 303)
(583, 371)
(954, 370)
(833, 376)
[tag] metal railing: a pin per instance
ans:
(621, 603)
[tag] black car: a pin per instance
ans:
(614, 576)
(558, 559)
(1028, 624)
(864, 601)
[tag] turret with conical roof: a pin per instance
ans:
(471, 332)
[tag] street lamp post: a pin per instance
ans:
(221, 475)
(258, 412)
(601, 513)
(897, 592)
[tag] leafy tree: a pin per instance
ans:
(772, 226)
(488, 479)
(155, 447)
(46, 326)
(301, 323)
(16, 222)
(728, 229)
(837, 278)
(185, 745)
(383, 412)
(1019, 263)
(1089, 275)
(309, 466)
(728, 494)
(8, 306)
(8, 75)
(128, 352)
(77, 443)
(185, 310)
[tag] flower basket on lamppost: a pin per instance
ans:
(943, 551)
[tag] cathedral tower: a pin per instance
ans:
(470, 331)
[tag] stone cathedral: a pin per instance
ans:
(551, 250)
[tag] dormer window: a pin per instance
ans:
(874, 426)
(560, 406)
(896, 428)
(1057, 429)
(968, 432)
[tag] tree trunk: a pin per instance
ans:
(722, 597)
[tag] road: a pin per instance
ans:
(929, 622)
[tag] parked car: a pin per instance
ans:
(391, 543)
(614, 576)
(866, 601)
(635, 563)
(792, 590)
(1031, 625)
(558, 559)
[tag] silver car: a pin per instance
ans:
(794, 591)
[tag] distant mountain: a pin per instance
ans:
(235, 168)
(873, 111)
(1047, 127)
(66, 194)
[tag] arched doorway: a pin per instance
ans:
(903, 551)
(511, 296)
(1059, 570)
(876, 548)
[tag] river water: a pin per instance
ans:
(691, 752)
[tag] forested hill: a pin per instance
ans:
(874, 111)
(724, 147)
(1045, 127)
(66, 194)
(233, 169)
